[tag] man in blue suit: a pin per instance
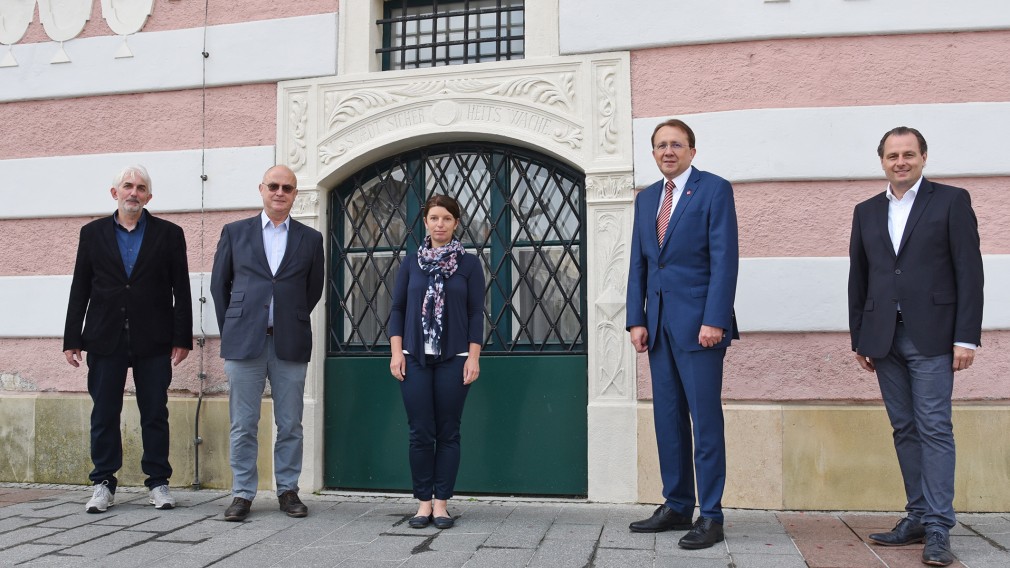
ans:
(268, 275)
(681, 286)
(915, 316)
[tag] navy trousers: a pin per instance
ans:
(433, 396)
(686, 390)
(106, 383)
(917, 393)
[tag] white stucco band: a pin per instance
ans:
(576, 109)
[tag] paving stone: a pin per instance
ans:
(557, 553)
(227, 543)
(58, 561)
(257, 555)
(621, 537)
(437, 559)
(23, 552)
(143, 554)
(768, 561)
(389, 547)
(199, 531)
(27, 534)
(111, 543)
(620, 558)
(185, 560)
(457, 541)
(779, 544)
(488, 557)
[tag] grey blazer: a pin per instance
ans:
(242, 285)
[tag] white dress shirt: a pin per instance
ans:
(678, 188)
(275, 242)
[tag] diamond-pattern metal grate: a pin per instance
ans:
(522, 214)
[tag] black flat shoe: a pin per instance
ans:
(663, 519)
(905, 532)
(444, 522)
(704, 534)
(419, 522)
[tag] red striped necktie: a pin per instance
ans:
(663, 221)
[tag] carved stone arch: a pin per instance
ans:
(576, 109)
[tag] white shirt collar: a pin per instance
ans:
(912, 192)
(681, 180)
(264, 221)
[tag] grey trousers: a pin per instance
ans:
(246, 381)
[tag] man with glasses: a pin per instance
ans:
(267, 277)
(681, 287)
(131, 294)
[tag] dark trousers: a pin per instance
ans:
(106, 382)
(917, 393)
(433, 397)
(686, 393)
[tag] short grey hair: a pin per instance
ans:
(135, 169)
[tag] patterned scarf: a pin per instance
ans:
(438, 263)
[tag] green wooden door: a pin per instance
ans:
(524, 426)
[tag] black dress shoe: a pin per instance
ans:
(664, 519)
(444, 522)
(419, 522)
(292, 505)
(703, 534)
(905, 532)
(238, 510)
(937, 550)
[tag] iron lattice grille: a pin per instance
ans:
(431, 34)
(522, 214)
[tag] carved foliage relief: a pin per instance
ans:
(610, 258)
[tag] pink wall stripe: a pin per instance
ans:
(182, 14)
(821, 72)
(244, 115)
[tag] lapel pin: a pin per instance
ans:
(689, 192)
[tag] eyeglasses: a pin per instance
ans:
(273, 187)
(676, 147)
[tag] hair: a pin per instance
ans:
(136, 169)
(901, 131)
(676, 123)
(441, 200)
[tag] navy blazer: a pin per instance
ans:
(242, 285)
(464, 307)
(155, 297)
(693, 276)
(936, 275)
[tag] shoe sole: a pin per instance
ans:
(686, 527)
(906, 543)
(935, 563)
(235, 518)
(96, 510)
(700, 546)
(164, 507)
(296, 515)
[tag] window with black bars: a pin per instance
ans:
(432, 33)
(522, 215)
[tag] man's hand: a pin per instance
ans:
(963, 358)
(865, 362)
(73, 357)
(178, 355)
(639, 338)
(709, 336)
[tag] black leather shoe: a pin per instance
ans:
(905, 532)
(444, 522)
(419, 522)
(937, 550)
(703, 534)
(292, 505)
(664, 519)
(238, 510)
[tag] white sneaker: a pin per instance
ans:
(161, 498)
(101, 500)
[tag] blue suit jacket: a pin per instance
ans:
(242, 285)
(936, 275)
(693, 276)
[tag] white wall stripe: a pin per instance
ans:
(233, 175)
(774, 295)
(835, 143)
(605, 25)
(250, 52)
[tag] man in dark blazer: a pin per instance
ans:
(268, 275)
(681, 287)
(915, 317)
(130, 292)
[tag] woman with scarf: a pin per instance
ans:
(436, 329)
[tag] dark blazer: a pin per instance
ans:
(694, 274)
(464, 307)
(242, 285)
(155, 298)
(936, 275)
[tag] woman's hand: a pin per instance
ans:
(471, 369)
(397, 365)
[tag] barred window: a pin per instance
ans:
(432, 33)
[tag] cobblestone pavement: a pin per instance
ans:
(46, 525)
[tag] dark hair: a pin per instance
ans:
(676, 123)
(440, 200)
(901, 131)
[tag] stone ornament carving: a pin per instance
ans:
(610, 187)
(306, 203)
(611, 267)
(64, 20)
(126, 17)
(15, 16)
(298, 117)
(606, 107)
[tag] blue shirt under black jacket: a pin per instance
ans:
(464, 307)
(130, 241)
